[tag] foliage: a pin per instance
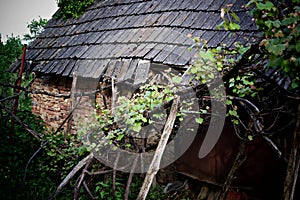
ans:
(280, 23)
(35, 27)
(44, 173)
(72, 8)
(9, 51)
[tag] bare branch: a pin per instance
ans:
(26, 126)
(83, 162)
(88, 190)
(81, 179)
(127, 190)
(239, 160)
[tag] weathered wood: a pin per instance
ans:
(82, 163)
(293, 163)
(141, 73)
(72, 103)
(154, 166)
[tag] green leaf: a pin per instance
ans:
(265, 6)
(234, 26)
(235, 17)
(207, 55)
(276, 49)
(137, 127)
(120, 137)
(177, 79)
(233, 113)
(199, 120)
(250, 137)
(298, 46)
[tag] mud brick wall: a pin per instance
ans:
(54, 110)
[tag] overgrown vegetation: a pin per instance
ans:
(72, 8)
(33, 167)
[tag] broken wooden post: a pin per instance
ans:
(154, 166)
(72, 102)
(293, 163)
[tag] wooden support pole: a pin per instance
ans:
(72, 102)
(293, 163)
(154, 166)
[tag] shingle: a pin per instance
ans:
(124, 69)
(74, 69)
(150, 20)
(154, 51)
(166, 51)
(132, 66)
(140, 47)
(212, 21)
(147, 48)
(167, 18)
(39, 66)
(98, 69)
(110, 68)
(59, 66)
(181, 18)
(204, 5)
(217, 38)
(194, 17)
(171, 59)
(48, 67)
(127, 35)
(155, 33)
(67, 53)
(125, 50)
(142, 71)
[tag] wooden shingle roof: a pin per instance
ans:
(112, 36)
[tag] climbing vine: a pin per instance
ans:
(279, 22)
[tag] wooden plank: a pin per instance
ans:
(73, 102)
(155, 51)
(132, 66)
(157, 157)
(164, 53)
(124, 69)
(99, 70)
(63, 66)
(69, 68)
(142, 71)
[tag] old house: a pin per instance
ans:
(128, 39)
(121, 39)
